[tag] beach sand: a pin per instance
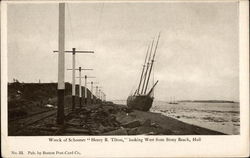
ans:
(169, 126)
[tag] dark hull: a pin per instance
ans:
(140, 102)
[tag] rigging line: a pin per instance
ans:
(148, 65)
(143, 68)
(153, 81)
(152, 62)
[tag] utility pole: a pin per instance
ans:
(97, 91)
(85, 94)
(85, 84)
(80, 85)
(92, 92)
(80, 88)
(100, 94)
(61, 65)
(104, 96)
(73, 72)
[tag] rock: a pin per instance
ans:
(76, 130)
(167, 132)
(95, 132)
(147, 123)
(49, 105)
(151, 133)
(235, 120)
(49, 125)
(120, 131)
(153, 124)
(132, 124)
(148, 130)
(73, 124)
(101, 128)
(128, 110)
(133, 131)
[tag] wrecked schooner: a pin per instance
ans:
(142, 98)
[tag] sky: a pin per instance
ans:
(197, 55)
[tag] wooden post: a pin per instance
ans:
(92, 90)
(61, 65)
(92, 98)
(73, 79)
(85, 92)
(85, 84)
(100, 95)
(73, 71)
(80, 88)
(96, 93)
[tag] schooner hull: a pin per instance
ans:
(142, 103)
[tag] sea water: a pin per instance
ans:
(222, 117)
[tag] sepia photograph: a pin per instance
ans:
(142, 68)
(127, 68)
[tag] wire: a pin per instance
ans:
(98, 26)
(70, 21)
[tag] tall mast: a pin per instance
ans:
(147, 67)
(152, 62)
(138, 90)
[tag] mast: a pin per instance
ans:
(138, 90)
(153, 81)
(152, 62)
(147, 67)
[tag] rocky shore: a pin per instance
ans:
(113, 119)
(104, 118)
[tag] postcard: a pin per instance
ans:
(125, 78)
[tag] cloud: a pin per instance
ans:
(197, 56)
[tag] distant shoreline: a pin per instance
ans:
(208, 101)
(197, 101)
